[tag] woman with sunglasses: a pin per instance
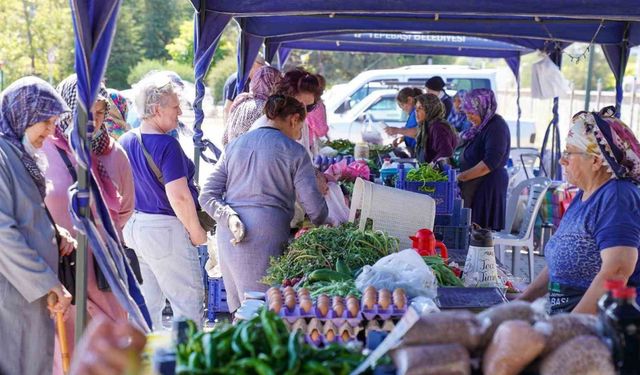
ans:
(251, 194)
(599, 235)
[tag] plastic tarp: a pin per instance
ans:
(94, 25)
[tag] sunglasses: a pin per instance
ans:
(311, 107)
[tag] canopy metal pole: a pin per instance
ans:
(83, 242)
(587, 93)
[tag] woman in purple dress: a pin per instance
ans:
(482, 157)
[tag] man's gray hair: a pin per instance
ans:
(153, 91)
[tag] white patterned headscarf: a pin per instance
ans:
(605, 136)
(25, 102)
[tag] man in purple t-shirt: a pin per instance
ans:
(165, 230)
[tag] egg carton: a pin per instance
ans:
(377, 312)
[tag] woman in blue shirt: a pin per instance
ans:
(599, 235)
(406, 99)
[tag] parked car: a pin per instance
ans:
(381, 107)
(457, 77)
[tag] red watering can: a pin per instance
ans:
(425, 244)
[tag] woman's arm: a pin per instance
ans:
(183, 205)
(307, 190)
(407, 132)
(479, 170)
(617, 263)
(538, 288)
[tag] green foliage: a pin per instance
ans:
(125, 51)
(576, 71)
(145, 66)
(181, 48)
(219, 73)
(160, 21)
(31, 30)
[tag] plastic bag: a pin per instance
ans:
(348, 172)
(547, 80)
(338, 210)
(405, 269)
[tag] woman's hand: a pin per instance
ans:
(61, 301)
(109, 348)
(67, 243)
(321, 181)
(391, 130)
(198, 237)
(237, 229)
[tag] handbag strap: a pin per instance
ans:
(67, 162)
(147, 155)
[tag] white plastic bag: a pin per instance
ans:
(405, 269)
(338, 209)
(547, 80)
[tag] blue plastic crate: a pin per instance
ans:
(442, 192)
(454, 237)
(459, 216)
(217, 301)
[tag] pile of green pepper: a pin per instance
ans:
(261, 346)
(343, 146)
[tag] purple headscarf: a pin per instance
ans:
(480, 102)
(25, 102)
(248, 107)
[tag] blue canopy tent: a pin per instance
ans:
(94, 26)
(549, 25)
(417, 44)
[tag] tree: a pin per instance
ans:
(160, 20)
(37, 39)
(127, 43)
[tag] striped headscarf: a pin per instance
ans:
(480, 102)
(25, 102)
(101, 142)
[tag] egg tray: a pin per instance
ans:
(323, 342)
(377, 312)
(296, 313)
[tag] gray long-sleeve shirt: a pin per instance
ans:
(264, 168)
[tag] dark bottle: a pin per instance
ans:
(607, 298)
(624, 316)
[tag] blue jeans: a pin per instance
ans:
(169, 264)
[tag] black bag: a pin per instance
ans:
(206, 222)
(67, 274)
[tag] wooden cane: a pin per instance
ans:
(52, 299)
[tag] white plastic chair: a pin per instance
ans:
(522, 236)
(397, 212)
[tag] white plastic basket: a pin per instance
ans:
(397, 212)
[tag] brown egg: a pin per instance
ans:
(384, 298)
(289, 290)
(353, 306)
(345, 336)
(306, 304)
(369, 302)
(290, 301)
(338, 308)
(275, 306)
(303, 292)
(399, 298)
(370, 289)
(323, 307)
(315, 335)
(330, 336)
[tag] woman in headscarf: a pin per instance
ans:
(116, 120)
(28, 250)
(482, 157)
(111, 170)
(436, 137)
(248, 107)
(599, 235)
(457, 118)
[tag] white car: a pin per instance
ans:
(383, 110)
(380, 106)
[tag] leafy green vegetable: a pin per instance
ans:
(444, 275)
(426, 173)
(343, 146)
(260, 346)
(334, 288)
(322, 247)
